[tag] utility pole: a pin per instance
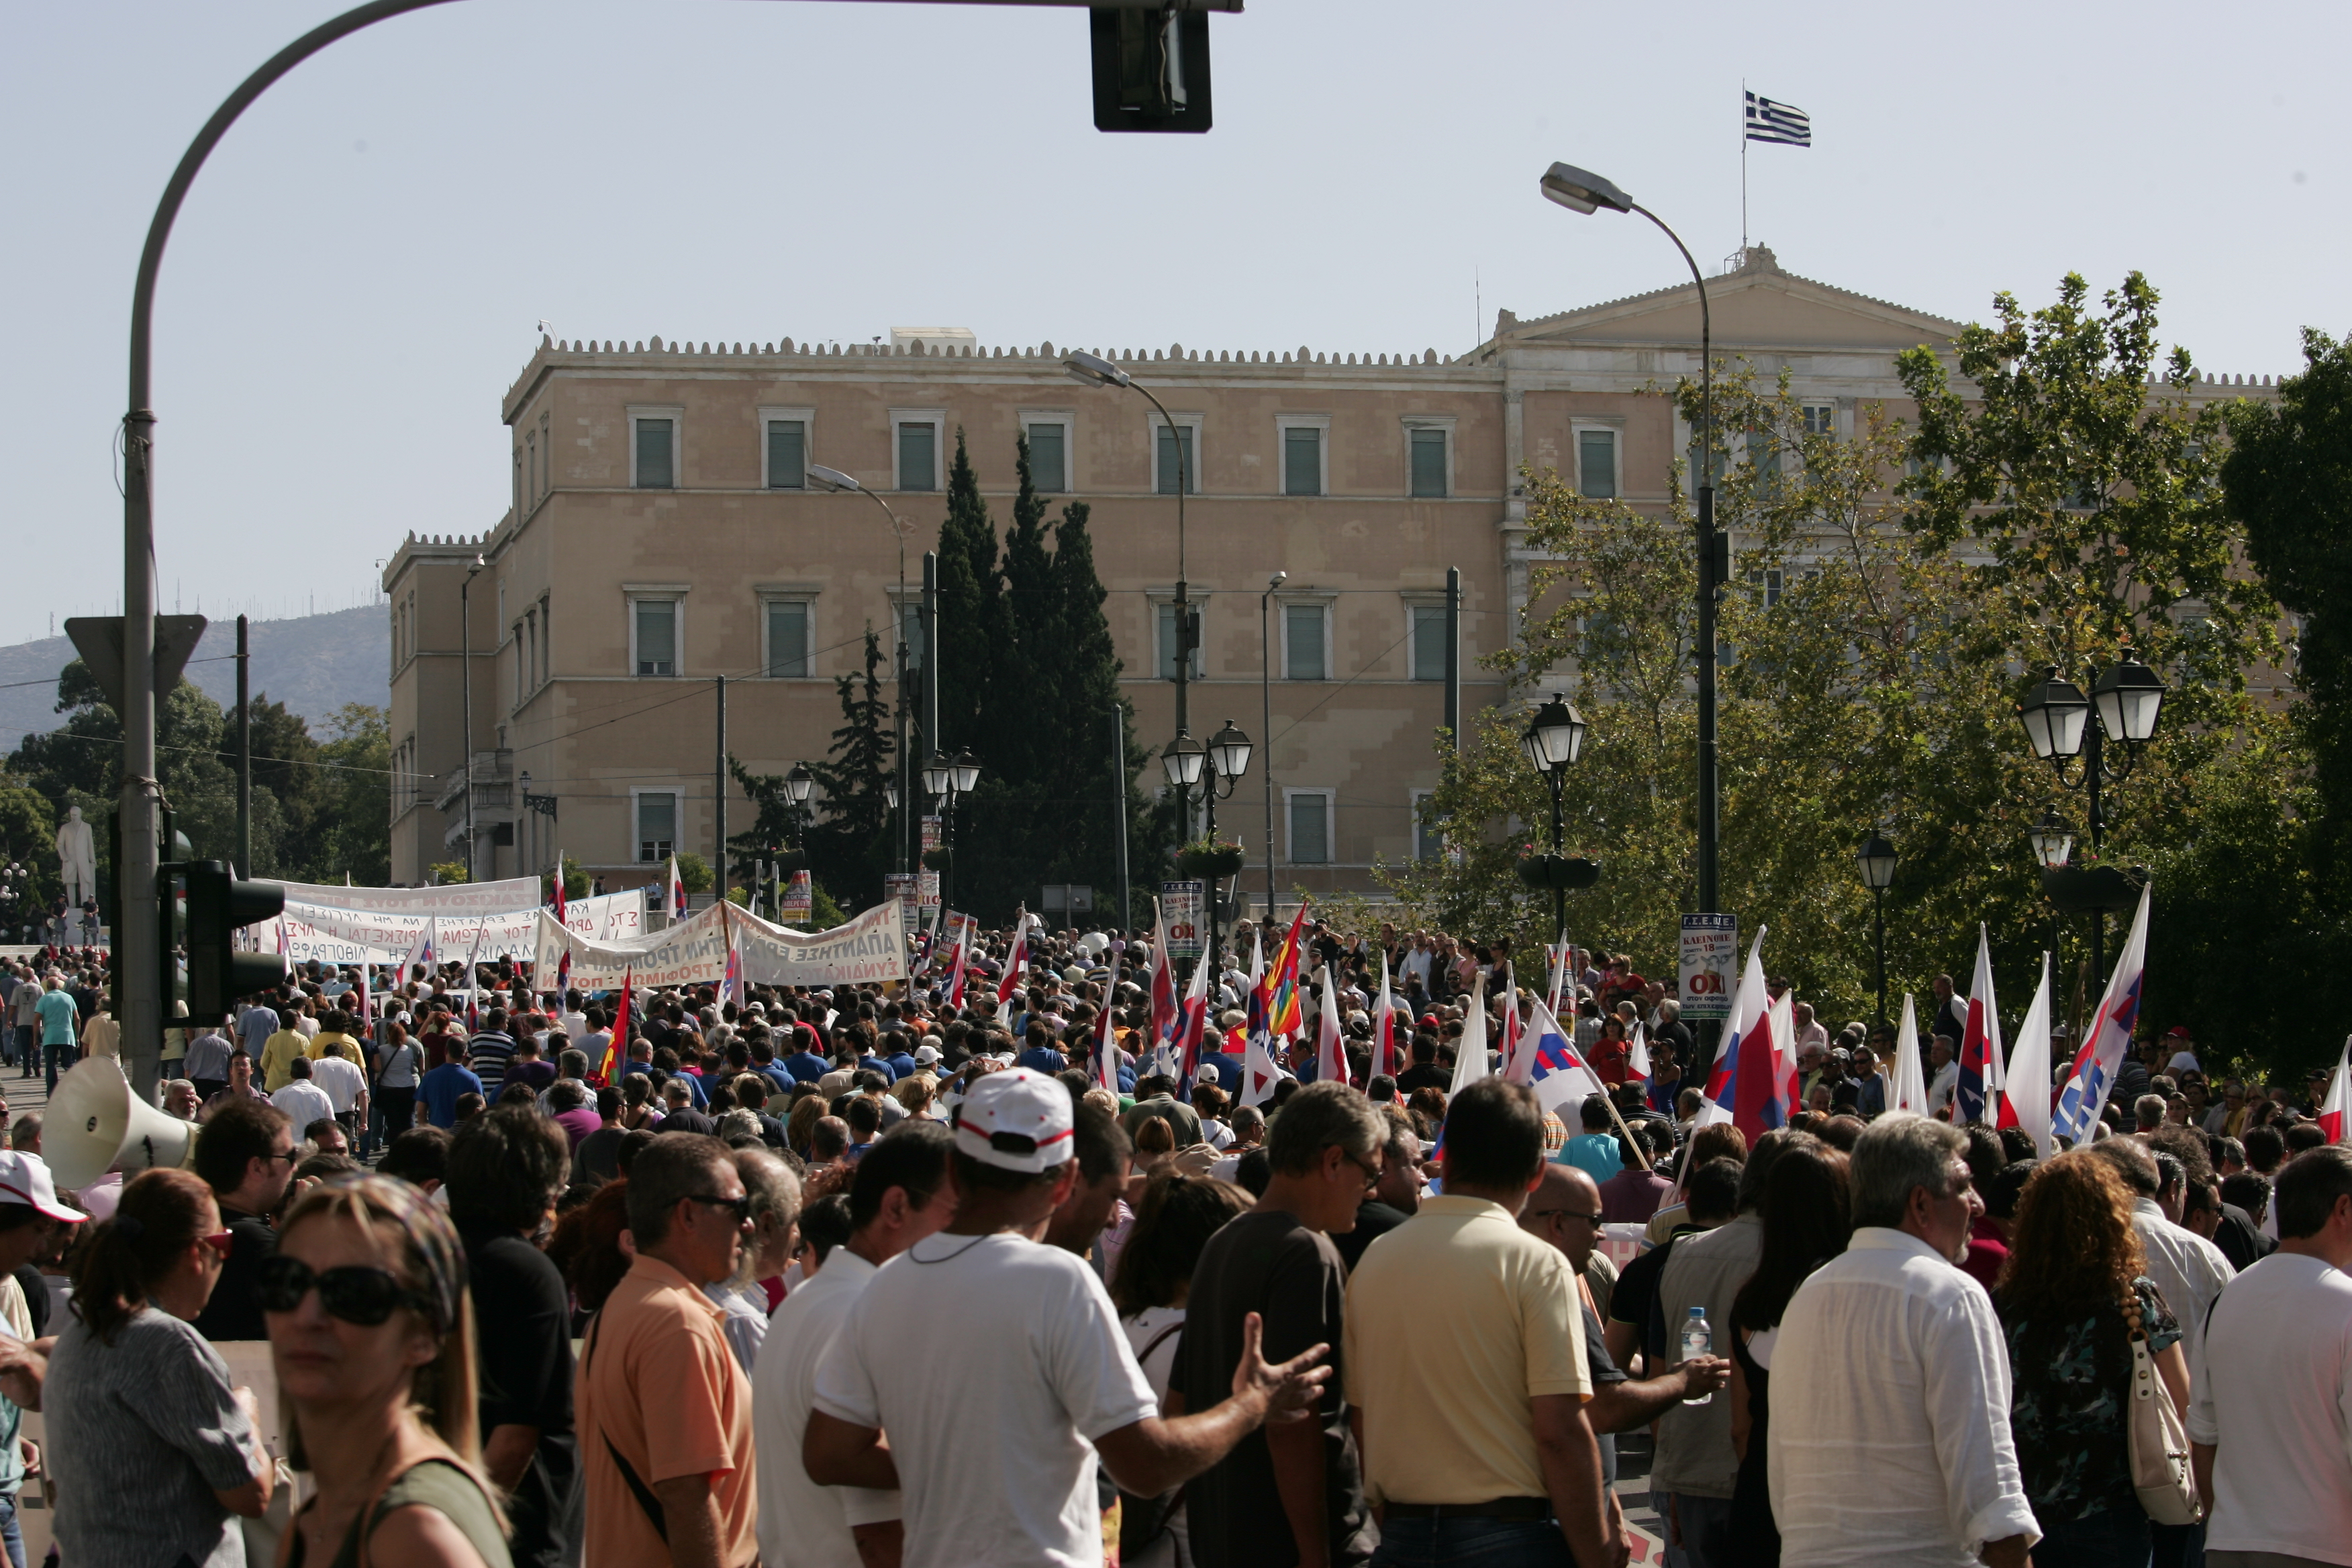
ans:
(1453, 655)
(719, 801)
(243, 754)
(1118, 809)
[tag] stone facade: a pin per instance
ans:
(656, 540)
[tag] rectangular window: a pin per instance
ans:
(1767, 586)
(1175, 468)
(655, 471)
(1596, 464)
(546, 636)
(1429, 642)
(1168, 642)
(1310, 828)
(787, 454)
(1428, 842)
(1821, 419)
(1428, 462)
(657, 826)
(910, 625)
(919, 456)
(1302, 461)
(788, 637)
(1049, 467)
(656, 625)
(1302, 642)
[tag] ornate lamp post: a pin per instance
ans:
(2058, 719)
(1553, 739)
(944, 779)
(1876, 858)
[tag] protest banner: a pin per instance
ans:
(871, 950)
(1185, 907)
(340, 935)
(1711, 953)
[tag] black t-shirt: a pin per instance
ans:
(1603, 1369)
(686, 1119)
(524, 1324)
(234, 1312)
(598, 1158)
(1272, 1265)
(1425, 1074)
(1374, 1219)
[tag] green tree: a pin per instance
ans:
(351, 822)
(850, 845)
(974, 628)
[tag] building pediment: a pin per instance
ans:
(1756, 306)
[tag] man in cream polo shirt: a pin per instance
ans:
(1465, 1364)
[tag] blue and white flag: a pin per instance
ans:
(2108, 1039)
(1557, 1072)
(1784, 124)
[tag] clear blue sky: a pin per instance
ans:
(359, 272)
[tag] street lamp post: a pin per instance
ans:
(1553, 739)
(465, 702)
(1582, 191)
(1223, 762)
(2057, 717)
(834, 480)
(1876, 858)
(944, 779)
(1265, 717)
(543, 805)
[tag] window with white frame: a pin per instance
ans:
(1307, 641)
(787, 627)
(1820, 418)
(1164, 619)
(1049, 451)
(654, 448)
(656, 812)
(1429, 458)
(1596, 463)
(1308, 812)
(1767, 584)
(784, 449)
(1428, 627)
(1176, 454)
(915, 449)
(1428, 842)
(654, 634)
(1304, 443)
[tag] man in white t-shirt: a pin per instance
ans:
(2271, 1413)
(302, 1101)
(344, 1082)
(900, 1195)
(999, 1370)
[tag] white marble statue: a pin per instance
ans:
(77, 859)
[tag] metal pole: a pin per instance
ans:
(1119, 809)
(466, 713)
(1553, 776)
(1878, 927)
(719, 804)
(244, 752)
(2098, 831)
(1266, 713)
(928, 742)
(1454, 654)
(1183, 606)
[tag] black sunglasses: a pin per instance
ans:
(740, 1208)
(353, 1292)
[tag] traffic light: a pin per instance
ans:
(1151, 69)
(218, 906)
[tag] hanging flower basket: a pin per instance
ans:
(791, 861)
(2081, 889)
(1559, 873)
(937, 857)
(1210, 859)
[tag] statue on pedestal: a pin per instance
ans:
(77, 864)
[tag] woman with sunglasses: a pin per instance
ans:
(372, 1333)
(153, 1449)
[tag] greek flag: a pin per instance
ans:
(1781, 123)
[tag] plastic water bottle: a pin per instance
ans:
(1698, 1339)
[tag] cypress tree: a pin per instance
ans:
(973, 631)
(1030, 670)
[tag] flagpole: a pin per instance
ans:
(1743, 166)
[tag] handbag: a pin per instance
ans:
(2157, 1441)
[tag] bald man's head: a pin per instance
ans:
(1565, 1210)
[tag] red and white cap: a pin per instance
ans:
(24, 1179)
(1016, 1120)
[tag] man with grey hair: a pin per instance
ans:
(1891, 1366)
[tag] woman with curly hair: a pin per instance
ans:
(2072, 1294)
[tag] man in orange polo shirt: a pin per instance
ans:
(664, 1412)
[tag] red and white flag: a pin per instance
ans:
(962, 955)
(1016, 967)
(1332, 1051)
(674, 893)
(1386, 1058)
(1518, 1048)
(1106, 1054)
(616, 1049)
(1470, 1059)
(1976, 1091)
(2335, 1111)
(1163, 982)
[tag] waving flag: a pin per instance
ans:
(1519, 1048)
(560, 904)
(1978, 1086)
(1163, 983)
(962, 955)
(1781, 124)
(2335, 1111)
(1560, 963)
(1748, 1079)
(1470, 1060)
(674, 893)
(1016, 964)
(1784, 1047)
(1105, 1065)
(1259, 1072)
(2025, 1094)
(1386, 1057)
(2109, 1037)
(363, 1012)
(472, 982)
(616, 1049)
(1637, 1056)
(1556, 1070)
(1332, 1051)
(1191, 1028)
(731, 982)
(563, 975)
(1283, 1014)
(1908, 1090)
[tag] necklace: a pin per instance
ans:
(959, 1252)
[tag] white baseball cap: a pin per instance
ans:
(1015, 1121)
(24, 1179)
(926, 1054)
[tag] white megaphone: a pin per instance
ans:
(95, 1122)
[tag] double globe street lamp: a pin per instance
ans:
(1552, 741)
(1215, 769)
(2126, 702)
(946, 778)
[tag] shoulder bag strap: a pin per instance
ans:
(637, 1487)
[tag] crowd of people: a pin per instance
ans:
(858, 1276)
